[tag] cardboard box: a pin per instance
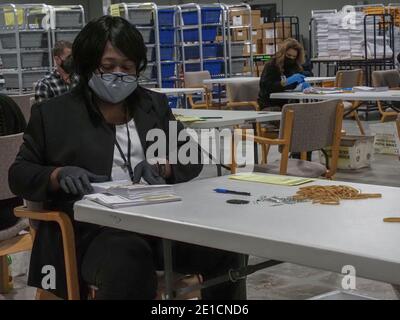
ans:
(269, 47)
(355, 152)
(246, 49)
(241, 18)
(260, 48)
(278, 33)
(240, 34)
(256, 33)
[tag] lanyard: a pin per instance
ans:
(127, 162)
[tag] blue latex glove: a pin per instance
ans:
(305, 85)
(296, 78)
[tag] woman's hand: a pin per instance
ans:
(152, 172)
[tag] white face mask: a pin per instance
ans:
(113, 91)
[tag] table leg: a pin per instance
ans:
(255, 144)
(168, 270)
(396, 289)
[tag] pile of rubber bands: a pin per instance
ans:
(332, 195)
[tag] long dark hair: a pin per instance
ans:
(89, 44)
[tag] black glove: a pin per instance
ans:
(76, 180)
(149, 172)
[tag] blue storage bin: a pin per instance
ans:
(210, 15)
(172, 102)
(166, 53)
(167, 69)
(167, 36)
(209, 33)
(215, 67)
(190, 17)
(192, 67)
(168, 83)
(212, 50)
(192, 52)
(166, 17)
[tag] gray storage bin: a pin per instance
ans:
(237, 66)
(148, 35)
(143, 17)
(28, 60)
(151, 54)
(66, 35)
(148, 73)
(11, 79)
(69, 19)
(27, 40)
(237, 49)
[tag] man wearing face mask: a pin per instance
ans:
(94, 133)
(62, 78)
(283, 72)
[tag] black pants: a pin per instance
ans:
(7, 217)
(123, 266)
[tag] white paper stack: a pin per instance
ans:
(116, 194)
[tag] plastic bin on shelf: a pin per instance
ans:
(208, 15)
(166, 17)
(173, 102)
(28, 60)
(237, 49)
(212, 50)
(11, 79)
(26, 40)
(167, 69)
(68, 19)
(209, 33)
(192, 67)
(167, 36)
(147, 34)
(140, 16)
(215, 67)
(150, 55)
(149, 72)
(166, 53)
(168, 83)
(192, 52)
(66, 35)
(238, 66)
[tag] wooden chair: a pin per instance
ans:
(386, 78)
(24, 103)
(68, 240)
(10, 241)
(304, 127)
(350, 79)
(195, 80)
(243, 95)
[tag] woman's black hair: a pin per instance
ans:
(88, 47)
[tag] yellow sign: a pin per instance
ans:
(114, 10)
(9, 16)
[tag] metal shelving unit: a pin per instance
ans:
(202, 38)
(66, 22)
(236, 60)
(145, 17)
(25, 45)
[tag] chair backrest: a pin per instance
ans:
(24, 103)
(386, 78)
(349, 78)
(246, 91)
(314, 125)
(9, 147)
(195, 79)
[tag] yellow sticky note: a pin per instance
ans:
(114, 10)
(187, 118)
(271, 179)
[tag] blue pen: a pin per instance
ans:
(220, 190)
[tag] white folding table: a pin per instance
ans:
(244, 79)
(319, 236)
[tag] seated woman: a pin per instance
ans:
(283, 72)
(12, 121)
(95, 133)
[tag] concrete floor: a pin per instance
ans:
(289, 281)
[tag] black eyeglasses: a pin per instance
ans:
(129, 78)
